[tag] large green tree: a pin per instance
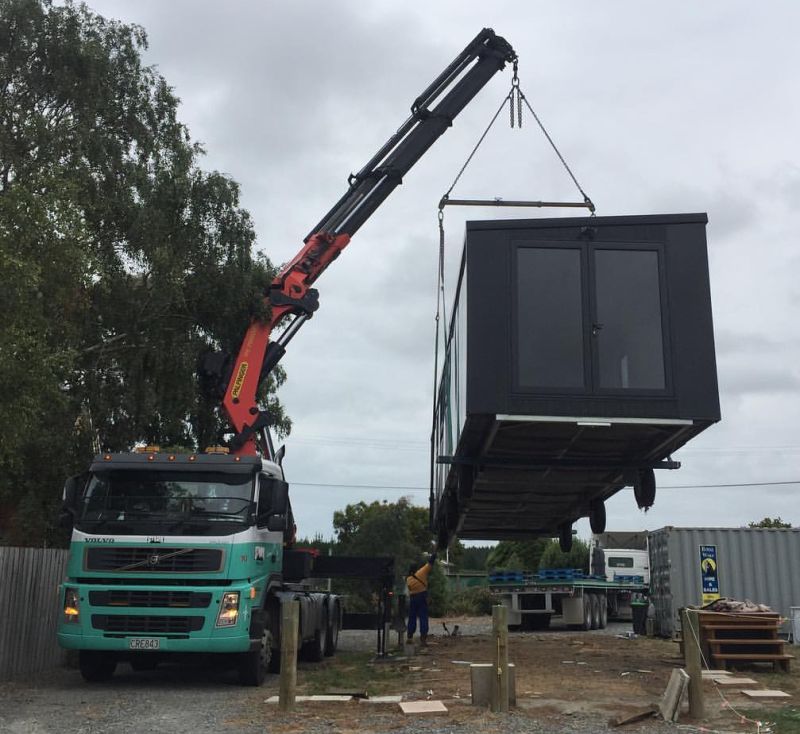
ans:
(554, 557)
(770, 522)
(397, 529)
(121, 261)
(517, 554)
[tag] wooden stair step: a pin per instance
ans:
(740, 627)
(744, 641)
(751, 656)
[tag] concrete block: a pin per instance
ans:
(670, 705)
(766, 694)
(419, 708)
(482, 679)
(382, 699)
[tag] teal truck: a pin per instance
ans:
(184, 553)
(191, 553)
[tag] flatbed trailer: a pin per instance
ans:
(586, 603)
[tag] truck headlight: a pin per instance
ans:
(71, 606)
(228, 609)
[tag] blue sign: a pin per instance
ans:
(709, 573)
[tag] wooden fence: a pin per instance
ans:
(29, 609)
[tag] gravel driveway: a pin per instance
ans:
(200, 699)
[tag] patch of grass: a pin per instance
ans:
(470, 602)
(353, 671)
(785, 720)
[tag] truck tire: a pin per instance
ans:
(597, 516)
(96, 666)
(603, 611)
(332, 639)
(644, 489)
(587, 613)
(314, 650)
(565, 537)
(255, 664)
(595, 603)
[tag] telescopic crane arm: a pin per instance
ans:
(290, 296)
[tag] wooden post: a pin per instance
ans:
(690, 628)
(499, 701)
(290, 619)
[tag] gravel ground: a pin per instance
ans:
(201, 698)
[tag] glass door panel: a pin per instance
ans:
(627, 331)
(550, 326)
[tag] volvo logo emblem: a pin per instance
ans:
(153, 560)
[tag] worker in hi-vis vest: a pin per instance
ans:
(417, 583)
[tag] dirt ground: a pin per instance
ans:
(567, 683)
(562, 675)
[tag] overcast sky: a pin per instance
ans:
(658, 108)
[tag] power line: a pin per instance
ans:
(425, 489)
(715, 486)
(361, 486)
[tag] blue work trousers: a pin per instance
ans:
(418, 607)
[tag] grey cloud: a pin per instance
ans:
(656, 108)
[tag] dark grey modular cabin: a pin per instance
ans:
(580, 356)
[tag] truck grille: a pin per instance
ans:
(146, 624)
(149, 598)
(150, 559)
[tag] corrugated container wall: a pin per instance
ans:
(760, 564)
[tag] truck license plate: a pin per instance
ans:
(143, 643)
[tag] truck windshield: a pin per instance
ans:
(168, 503)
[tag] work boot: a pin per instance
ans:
(423, 640)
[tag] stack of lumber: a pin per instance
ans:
(731, 639)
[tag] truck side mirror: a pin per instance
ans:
(279, 496)
(70, 499)
(273, 500)
(66, 518)
(276, 523)
(279, 454)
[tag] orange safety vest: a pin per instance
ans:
(419, 581)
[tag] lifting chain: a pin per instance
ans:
(514, 94)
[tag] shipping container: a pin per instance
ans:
(759, 564)
(579, 357)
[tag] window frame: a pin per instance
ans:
(590, 351)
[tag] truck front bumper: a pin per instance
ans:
(173, 629)
(73, 641)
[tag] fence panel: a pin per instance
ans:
(29, 609)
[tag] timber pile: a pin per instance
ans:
(731, 638)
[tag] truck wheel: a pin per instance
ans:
(603, 611)
(644, 489)
(255, 664)
(332, 639)
(96, 666)
(314, 649)
(595, 611)
(565, 537)
(597, 516)
(587, 613)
